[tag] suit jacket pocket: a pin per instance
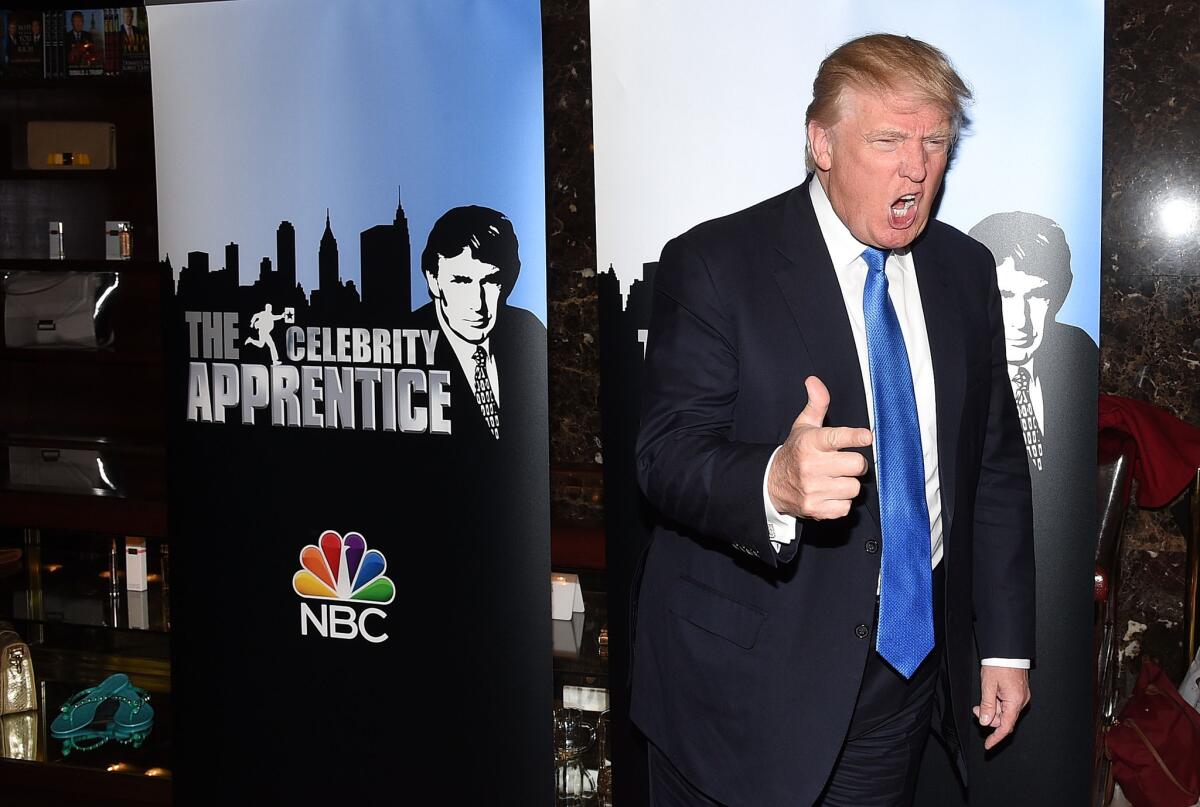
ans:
(712, 611)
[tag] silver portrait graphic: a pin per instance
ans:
(1033, 271)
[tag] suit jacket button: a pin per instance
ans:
(862, 631)
(872, 546)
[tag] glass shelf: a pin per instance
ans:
(67, 579)
(61, 599)
(154, 755)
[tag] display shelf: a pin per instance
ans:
(133, 443)
(578, 658)
(105, 405)
(51, 175)
(80, 629)
(75, 512)
(69, 583)
(102, 355)
(121, 84)
(115, 772)
(81, 265)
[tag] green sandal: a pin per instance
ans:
(112, 710)
(134, 717)
(79, 712)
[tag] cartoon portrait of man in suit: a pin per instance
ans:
(1033, 270)
(471, 262)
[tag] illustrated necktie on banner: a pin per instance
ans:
(1030, 428)
(483, 392)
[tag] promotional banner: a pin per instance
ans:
(351, 199)
(699, 112)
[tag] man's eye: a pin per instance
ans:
(886, 143)
(460, 279)
(937, 145)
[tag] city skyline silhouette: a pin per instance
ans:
(385, 266)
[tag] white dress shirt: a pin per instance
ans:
(846, 252)
(464, 351)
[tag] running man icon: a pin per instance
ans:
(263, 322)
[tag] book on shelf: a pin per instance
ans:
(108, 41)
(84, 41)
(134, 39)
(23, 43)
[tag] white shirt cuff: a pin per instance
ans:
(781, 529)
(1019, 663)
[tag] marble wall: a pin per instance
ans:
(575, 449)
(1150, 277)
(1150, 293)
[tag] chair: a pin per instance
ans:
(1191, 600)
(1115, 457)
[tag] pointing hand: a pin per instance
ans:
(812, 477)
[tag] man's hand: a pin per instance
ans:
(811, 476)
(1005, 692)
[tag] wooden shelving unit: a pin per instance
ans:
(107, 403)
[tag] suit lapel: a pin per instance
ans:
(807, 281)
(943, 323)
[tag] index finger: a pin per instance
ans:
(839, 437)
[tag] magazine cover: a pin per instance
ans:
(84, 42)
(134, 40)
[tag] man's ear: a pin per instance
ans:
(820, 145)
(435, 290)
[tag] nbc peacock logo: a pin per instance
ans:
(341, 573)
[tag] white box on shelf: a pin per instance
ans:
(135, 564)
(139, 610)
(568, 636)
(566, 596)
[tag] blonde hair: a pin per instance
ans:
(887, 63)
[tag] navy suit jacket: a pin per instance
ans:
(747, 664)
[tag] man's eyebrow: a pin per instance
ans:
(940, 134)
(888, 133)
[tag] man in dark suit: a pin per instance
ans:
(831, 442)
(129, 31)
(496, 352)
(11, 44)
(78, 36)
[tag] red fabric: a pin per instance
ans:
(1168, 450)
(1155, 744)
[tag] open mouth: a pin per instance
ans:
(903, 211)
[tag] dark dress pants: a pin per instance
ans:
(878, 764)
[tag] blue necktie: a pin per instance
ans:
(905, 633)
